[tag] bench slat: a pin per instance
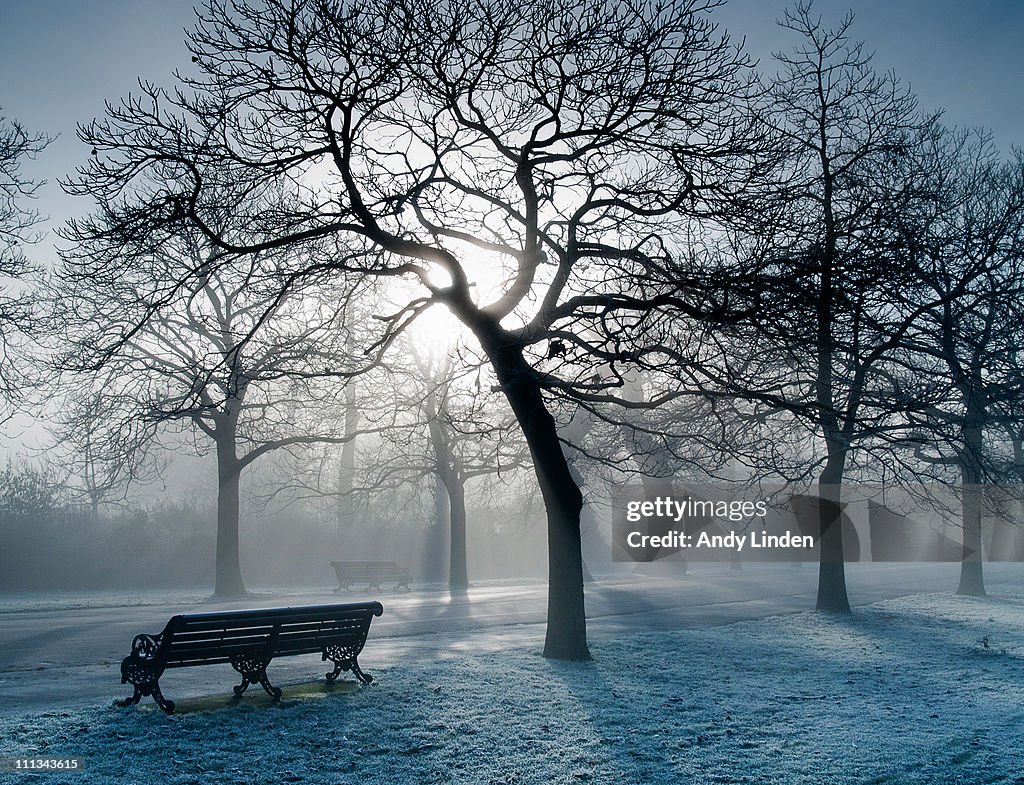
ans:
(268, 616)
(217, 632)
(290, 644)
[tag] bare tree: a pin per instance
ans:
(449, 434)
(102, 447)
(838, 246)
(971, 256)
(228, 361)
(468, 440)
(527, 166)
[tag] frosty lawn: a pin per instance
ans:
(928, 688)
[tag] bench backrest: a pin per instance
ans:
(210, 638)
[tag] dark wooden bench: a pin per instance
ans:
(372, 573)
(249, 640)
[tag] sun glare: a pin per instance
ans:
(436, 331)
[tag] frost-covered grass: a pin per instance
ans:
(928, 688)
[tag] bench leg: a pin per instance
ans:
(334, 674)
(253, 670)
(151, 689)
(344, 660)
(340, 656)
(365, 678)
(135, 698)
(351, 665)
(161, 701)
(145, 678)
(271, 690)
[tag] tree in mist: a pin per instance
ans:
(225, 363)
(17, 223)
(450, 433)
(704, 438)
(833, 234)
(344, 512)
(96, 442)
(29, 507)
(971, 260)
(468, 439)
(533, 168)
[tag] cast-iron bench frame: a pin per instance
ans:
(249, 640)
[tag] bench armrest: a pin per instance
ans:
(146, 647)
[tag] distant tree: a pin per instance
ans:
(348, 457)
(17, 224)
(530, 167)
(102, 449)
(27, 491)
(468, 439)
(683, 446)
(227, 363)
(449, 433)
(29, 507)
(971, 257)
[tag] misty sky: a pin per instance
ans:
(62, 58)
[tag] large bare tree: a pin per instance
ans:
(531, 167)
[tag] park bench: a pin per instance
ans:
(249, 640)
(372, 573)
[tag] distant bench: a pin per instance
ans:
(372, 573)
(249, 640)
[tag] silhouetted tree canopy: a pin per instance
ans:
(535, 168)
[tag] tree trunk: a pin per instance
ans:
(347, 465)
(832, 596)
(229, 572)
(458, 573)
(659, 526)
(972, 582)
(831, 566)
(1016, 521)
(735, 561)
(437, 536)
(449, 472)
(566, 637)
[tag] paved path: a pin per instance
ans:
(53, 658)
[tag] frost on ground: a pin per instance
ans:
(928, 688)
